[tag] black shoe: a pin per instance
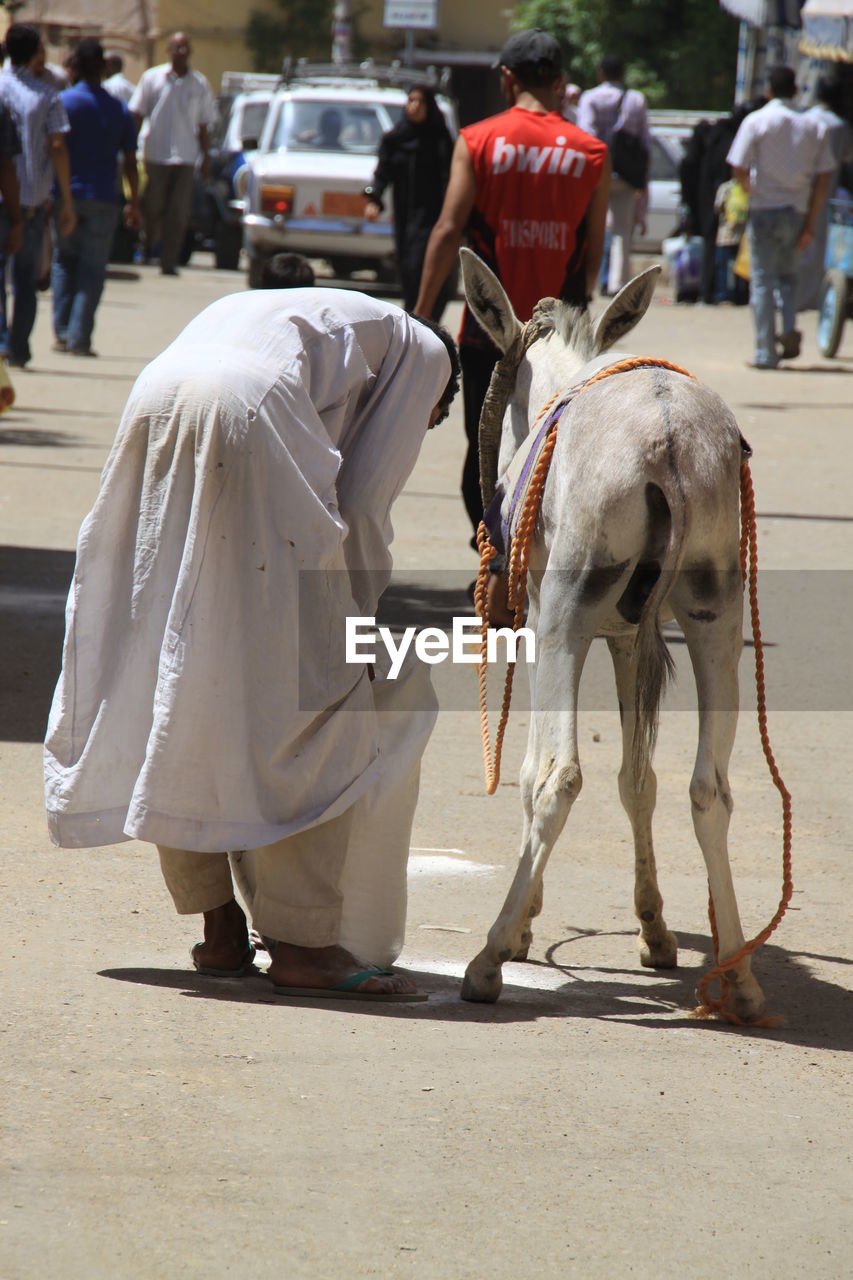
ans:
(788, 346)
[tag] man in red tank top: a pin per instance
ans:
(531, 191)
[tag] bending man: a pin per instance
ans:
(205, 703)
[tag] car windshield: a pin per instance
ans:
(354, 127)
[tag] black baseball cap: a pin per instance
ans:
(531, 50)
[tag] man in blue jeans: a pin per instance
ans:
(42, 124)
(101, 127)
(783, 159)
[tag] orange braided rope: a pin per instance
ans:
(715, 1005)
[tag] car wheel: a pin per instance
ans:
(227, 245)
(342, 268)
(256, 271)
(831, 311)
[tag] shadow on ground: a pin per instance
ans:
(34, 583)
(818, 1012)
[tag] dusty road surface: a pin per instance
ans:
(159, 1125)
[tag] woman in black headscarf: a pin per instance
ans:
(414, 160)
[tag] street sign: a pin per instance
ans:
(413, 15)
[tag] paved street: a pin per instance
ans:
(160, 1125)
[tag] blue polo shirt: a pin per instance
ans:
(101, 127)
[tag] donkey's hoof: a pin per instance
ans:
(482, 982)
(744, 998)
(658, 953)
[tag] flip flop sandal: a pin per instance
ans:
(346, 990)
(246, 964)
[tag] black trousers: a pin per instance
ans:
(477, 366)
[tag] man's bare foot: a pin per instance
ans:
(327, 967)
(226, 940)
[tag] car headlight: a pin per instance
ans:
(276, 199)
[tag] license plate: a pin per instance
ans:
(343, 204)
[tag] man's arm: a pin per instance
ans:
(742, 176)
(204, 143)
(447, 233)
(596, 218)
(62, 168)
(819, 192)
(586, 114)
(132, 216)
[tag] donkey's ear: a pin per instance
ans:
(491, 307)
(627, 309)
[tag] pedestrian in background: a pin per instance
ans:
(115, 81)
(540, 227)
(704, 169)
(826, 111)
(101, 129)
(604, 111)
(783, 160)
(42, 124)
(174, 106)
(11, 226)
(571, 98)
(287, 271)
(414, 160)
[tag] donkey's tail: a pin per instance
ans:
(654, 661)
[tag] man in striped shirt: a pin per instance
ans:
(42, 124)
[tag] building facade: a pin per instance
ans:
(467, 37)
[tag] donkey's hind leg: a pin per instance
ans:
(658, 947)
(713, 629)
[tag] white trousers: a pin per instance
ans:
(621, 209)
(297, 895)
(343, 881)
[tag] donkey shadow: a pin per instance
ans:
(817, 1011)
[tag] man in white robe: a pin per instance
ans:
(205, 703)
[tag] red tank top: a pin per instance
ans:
(535, 175)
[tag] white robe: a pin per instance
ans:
(204, 701)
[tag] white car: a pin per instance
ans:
(664, 209)
(317, 152)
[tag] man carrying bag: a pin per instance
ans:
(618, 116)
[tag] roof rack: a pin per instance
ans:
(246, 81)
(673, 116)
(382, 75)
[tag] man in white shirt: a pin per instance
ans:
(208, 700)
(600, 112)
(115, 81)
(174, 105)
(783, 159)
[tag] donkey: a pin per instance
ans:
(639, 520)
